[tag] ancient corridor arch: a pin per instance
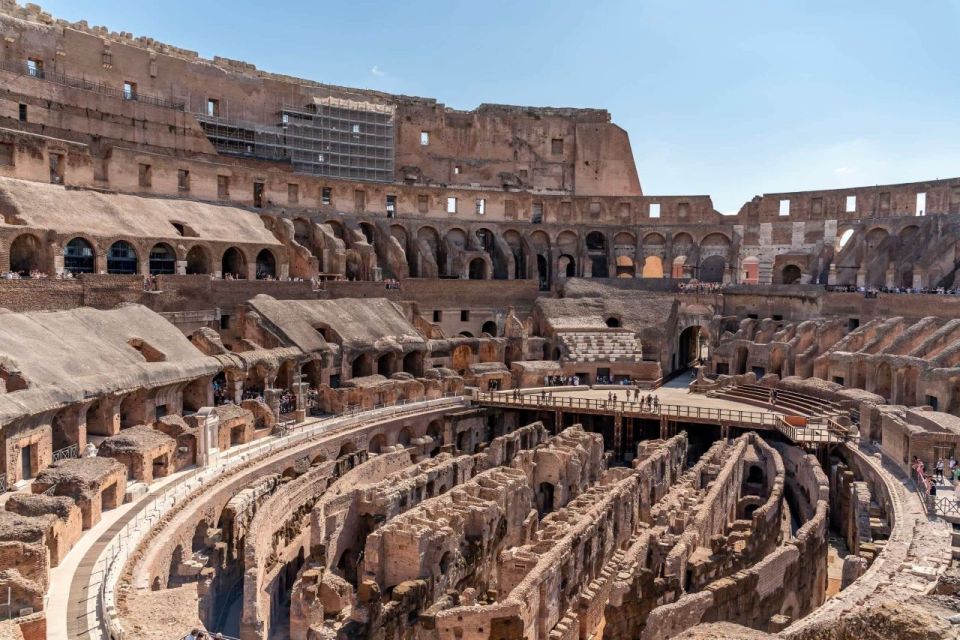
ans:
(884, 386)
(478, 269)
(198, 261)
(568, 266)
(234, 263)
(25, 254)
(689, 346)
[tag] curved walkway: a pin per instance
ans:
(81, 587)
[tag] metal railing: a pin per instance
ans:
(73, 451)
(628, 409)
(112, 560)
(3, 483)
(816, 430)
(83, 84)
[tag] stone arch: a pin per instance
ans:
(266, 265)
(677, 268)
(336, 227)
(596, 245)
(163, 259)
(910, 380)
(625, 267)
(346, 449)
(478, 269)
(369, 233)
(386, 364)
(361, 366)
(884, 385)
(568, 242)
(404, 436)
(430, 249)
(712, 269)
(519, 250)
(568, 266)
(652, 267)
(791, 274)
(377, 444)
(234, 262)
(413, 363)
(489, 327)
(682, 244)
(655, 241)
(198, 260)
(79, 256)
(613, 322)
(715, 239)
(26, 253)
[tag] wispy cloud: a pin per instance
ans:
(377, 71)
(842, 171)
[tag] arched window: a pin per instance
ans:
(78, 257)
(25, 254)
(121, 258)
(163, 261)
(791, 274)
(478, 269)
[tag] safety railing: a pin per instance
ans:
(113, 558)
(818, 430)
(83, 84)
(947, 506)
(3, 483)
(627, 408)
(73, 451)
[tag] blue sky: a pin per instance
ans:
(728, 98)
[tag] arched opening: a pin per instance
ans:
(653, 267)
(884, 386)
(386, 364)
(791, 274)
(677, 270)
(613, 322)
(740, 361)
(489, 327)
(234, 264)
(755, 475)
(347, 565)
(911, 376)
(368, 232)
(362, 366)
(25, 254)
(79, 257)
(435, 431)
(377, 443)
(404, 437)
(198, 261)
(121, 258)
(266, 265)
(625, 267)
(751, 270)
(568, 266)
(711, 269)
(465, 334)
(845, 238)
(597, 251)
(163, 260)
(413, 363)
(478, 269)
(544, 498)
(543, 273)
(346, 449)
(689, 347)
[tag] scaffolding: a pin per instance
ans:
(330, 137)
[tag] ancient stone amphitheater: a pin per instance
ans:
(280, 359)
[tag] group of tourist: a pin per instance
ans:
(944, 472)
(197, 634)
(34, 274)
(390, 283)
(561, 381)
(701, 287)
(873, 292)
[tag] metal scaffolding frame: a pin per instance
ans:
(331, 137)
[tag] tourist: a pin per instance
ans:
(193, 635)
(938, 470)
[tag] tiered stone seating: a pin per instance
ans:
(601, 346)
(757, 395)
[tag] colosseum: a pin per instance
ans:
(282, 359)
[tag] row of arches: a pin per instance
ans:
(26, 254)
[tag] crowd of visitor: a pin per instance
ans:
(390, 283)
(943, 472)
(701, 287)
